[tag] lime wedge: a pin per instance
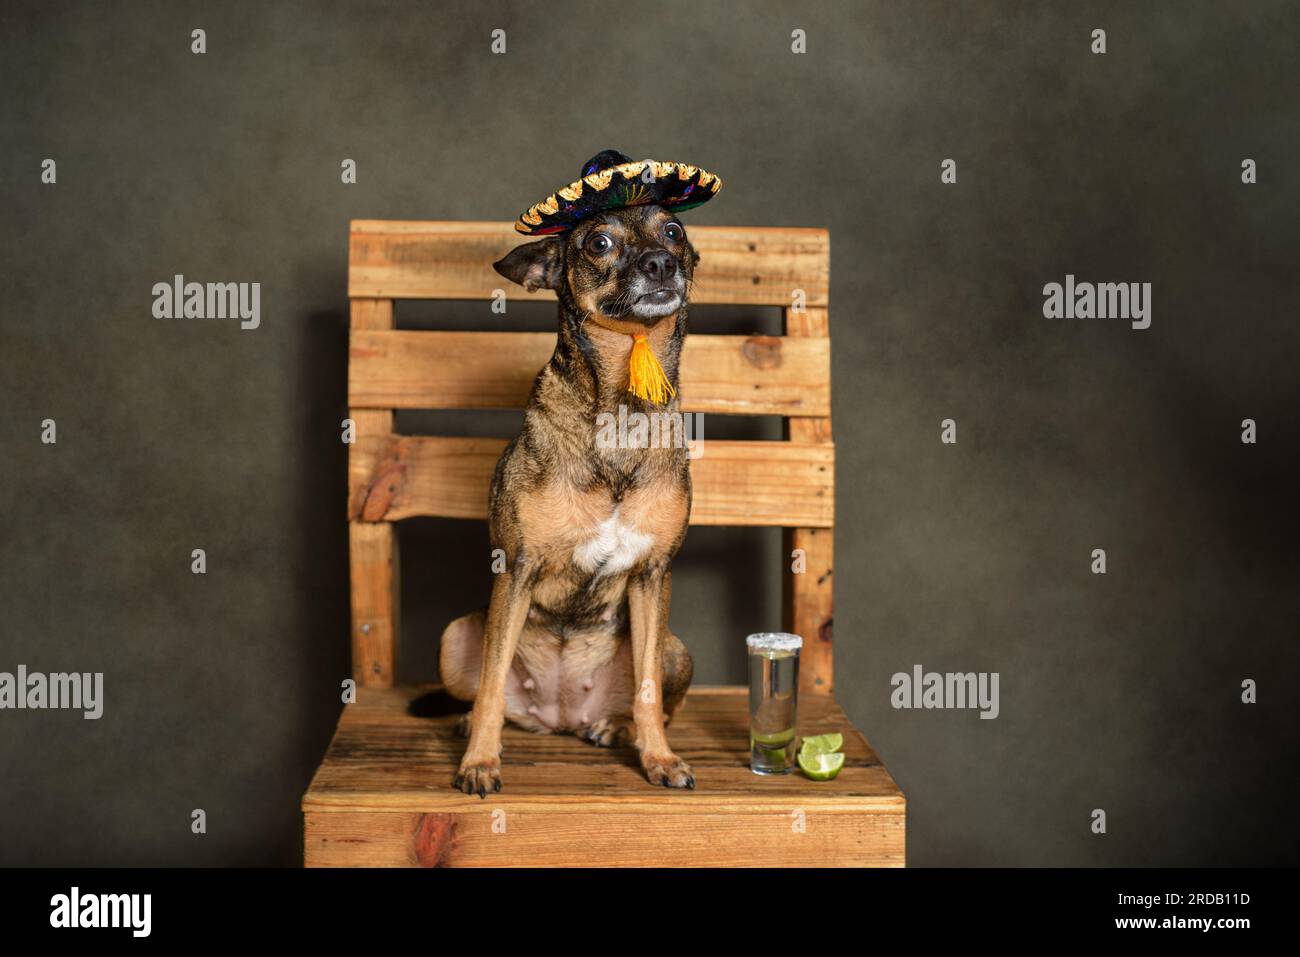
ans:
(821, 767)
(775, 739)
(822, 744)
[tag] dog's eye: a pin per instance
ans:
(674, 232)
(599, 243)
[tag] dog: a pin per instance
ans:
(575, 637)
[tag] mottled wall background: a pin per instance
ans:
(1118, 692)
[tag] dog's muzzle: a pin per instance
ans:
(659, 288)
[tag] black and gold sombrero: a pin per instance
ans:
(612, 180)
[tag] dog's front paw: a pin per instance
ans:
(668, 770)
(478, 777)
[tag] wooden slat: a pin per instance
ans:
(763, 483)
(639, 838)
(375, 577)
(808, 604)
(807, 608)
(453, 260)
(371, 314)
(812, 327)
(735, 483)
(382, 796)
(729, 375)
(373, 557)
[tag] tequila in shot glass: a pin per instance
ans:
(773, 694)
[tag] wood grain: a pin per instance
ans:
(641, 838)
(811, 326)
(372, 549)
(453, 260)
(382, 796)
(728, 375)
(808, 605)
(735, 483)
(373, 558)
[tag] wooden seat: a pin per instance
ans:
(382, 795)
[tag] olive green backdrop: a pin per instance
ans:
(1119, 692)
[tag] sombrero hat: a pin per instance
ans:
(612, 180)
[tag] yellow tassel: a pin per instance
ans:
(645, 376)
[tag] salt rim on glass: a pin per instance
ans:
(774, 641)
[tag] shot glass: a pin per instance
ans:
(773, 696)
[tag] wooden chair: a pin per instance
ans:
(382, 796)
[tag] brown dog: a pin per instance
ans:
(576, 636)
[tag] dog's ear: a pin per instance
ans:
(534, 266)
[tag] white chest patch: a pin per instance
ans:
(614, 547)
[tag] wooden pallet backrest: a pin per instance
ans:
(790, 484)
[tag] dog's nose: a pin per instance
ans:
(658, 264)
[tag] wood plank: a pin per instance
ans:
(395, 477)
(382, 796)
(811, 326)
(809, 597)
(371, 314)
(375, 605)
(807, 606)
(372, 550)
(386, 758)
(453, 260)
(729, 375)
(614, 839)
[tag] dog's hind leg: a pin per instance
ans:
(618, 730)
(679, 668)
(460, 665)
(460, 659)
(612, 732)
(460, 655)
